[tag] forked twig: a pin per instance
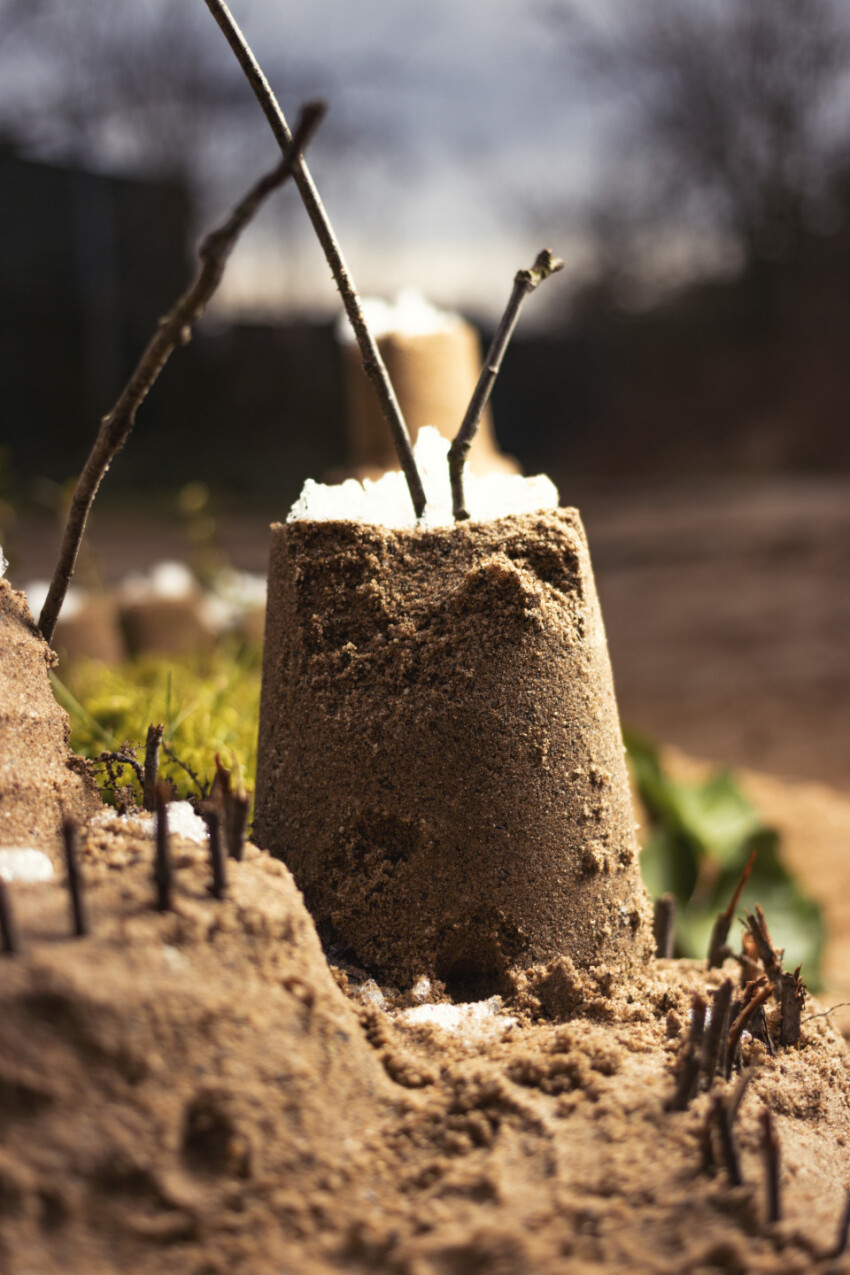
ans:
(173, 330)
(373, 364)
(525, 281)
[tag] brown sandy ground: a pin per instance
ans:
(194, 1092)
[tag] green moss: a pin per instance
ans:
(208, 704)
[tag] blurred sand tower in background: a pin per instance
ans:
(433, 358)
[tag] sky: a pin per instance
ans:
(473, 150)
(459, 140)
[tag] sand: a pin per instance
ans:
(40, 779)
(198, 1091)
(440, 757)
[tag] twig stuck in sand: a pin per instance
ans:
(373, 364)
(162, 870)
(714, 1043)
(211, 815)
(663, 926)
(75, 882)
(723, 1119)
(234, 804)
(756, 996)
(772, 1164)
(525, 281)
(792, 998)
(717, 949)
(9, 942)
(843, 1230)
(688, 1081)
(173, 330)
(768, 955)
(153, 744)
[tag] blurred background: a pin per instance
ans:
(685, 380)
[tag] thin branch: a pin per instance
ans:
(716, 1034)
(373, 364)
(173, 330)
(731, 1159)
(10, 944)
(772, 1163)
(717, 949)
(153, 744)
(757, 998)
(525, 281)
(75, 881)
(663, 926)
(843, 1229)
(688, 1079)
(163, 873)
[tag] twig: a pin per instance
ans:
(792, 998)
(663, 926)
(173, 330)
(162, 869)
(75, 882)
(373, 364)
(203, 789)
(211, 816)
(757, 998)
(769, 957)
(9, 942)
(772, 1163)
(688, 1079)
(525, 281)
(843, 1229)
(733, 1102)
(716, 1034)
(717, 949)
(841, 1005)
(152, 747)
(723, 1120)
(235, 804)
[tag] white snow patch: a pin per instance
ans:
(25, 864)
(474, 1020)
(410, 314)
(165, 580)
(386, 500)
(4, 563)
(182, 822)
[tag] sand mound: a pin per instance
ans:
(194, 1092)
(40, 779)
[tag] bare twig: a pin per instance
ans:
(203, 789)
(768, 955)
(772, 1163)
(843, 1229)
(525, 281)
(792, 998)
(757, 997)
(152, 747)
(733, 1102)
(663, 926)
(373, 364)
(713, 1048)
(731, 1159)
(9, 942)
(688, 1079)
(75, 882)
(234, 803)
(173, 330)
(717, 949)
(162, 870)
(212, 818)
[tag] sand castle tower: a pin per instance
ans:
(40, 779)
(440, 756)
(433, 358)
